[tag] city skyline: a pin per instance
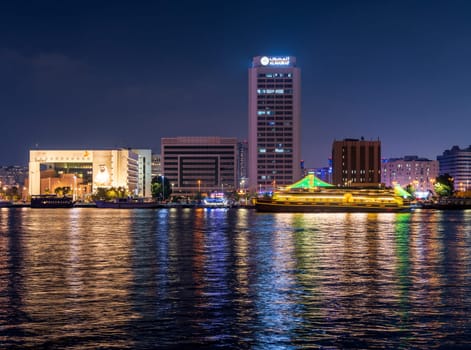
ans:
(100, 77)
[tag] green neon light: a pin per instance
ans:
(399, 191)
(310, 181)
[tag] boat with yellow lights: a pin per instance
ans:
(311, 194)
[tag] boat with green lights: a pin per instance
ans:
(311, 194)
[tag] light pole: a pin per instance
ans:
(163, 187)
(199, 186)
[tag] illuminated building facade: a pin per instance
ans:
(457, 163)
(144, 173)
(410, 170)
(89, 170)
(200, 164)
(274, 152)
(356, 163)
(156, 165)
(14, 175)
(242, 164)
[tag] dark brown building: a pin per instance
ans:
(356, 162)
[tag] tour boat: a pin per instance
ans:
(51, 201)
(215, 202)
(313, 195)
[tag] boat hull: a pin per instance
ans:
(48, 201)
(271, 207)
(439, 206)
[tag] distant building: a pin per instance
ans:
(144, 162)
(356, 162)
(457, 163)
(410, 170)
(242, 165)
(156, 165)
(274, 122)
(86, 170)
(14, 175)
(324, 173)
(200, 164)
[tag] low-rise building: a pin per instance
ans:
(356, 162)
(86, 170)
(420, 173)
(200, 164)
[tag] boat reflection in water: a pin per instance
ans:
(129, 203)
(311, 194)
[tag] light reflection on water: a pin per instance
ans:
(81, 278)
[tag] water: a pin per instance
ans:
(136, 279)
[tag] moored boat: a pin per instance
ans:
(5, 203)
(51, 201)
(215, 203)
(449, 203)
(333, 200)
(313, 195)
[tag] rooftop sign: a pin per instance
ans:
(275, 61)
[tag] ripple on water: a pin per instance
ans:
(81, 278)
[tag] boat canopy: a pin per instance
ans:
(308, 182)
(399, 191)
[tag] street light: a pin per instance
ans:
(199, 186)
(163, 187)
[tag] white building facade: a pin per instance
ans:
(127, 168)
(410, 170)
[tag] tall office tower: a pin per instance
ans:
(242, 175)
(199, 164)
(274, 122)
(356, 162)
(457, 163)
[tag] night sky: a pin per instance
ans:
(76, 74)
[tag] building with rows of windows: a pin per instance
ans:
(410, 170)
(356, 162)
(199, 164)
(457, 163)
(274, 122)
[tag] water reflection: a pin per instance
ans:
(180, 277)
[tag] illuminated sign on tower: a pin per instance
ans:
(275, 61)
